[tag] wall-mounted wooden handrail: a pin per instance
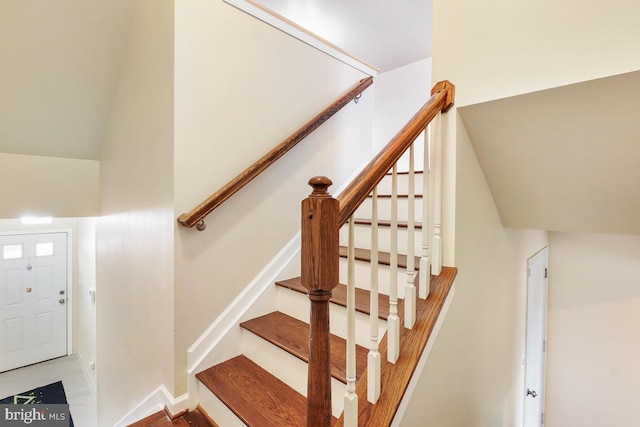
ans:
(360, 188)
(196, 216)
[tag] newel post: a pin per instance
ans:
(319, 265)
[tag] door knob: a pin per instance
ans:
(62, 300)
(531, 393)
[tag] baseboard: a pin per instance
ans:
(87, 375)
(404, 403)
(158, 400)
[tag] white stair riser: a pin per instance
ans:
(362, 236)
(384, 209)
(296, 304)
(287, 368)
(403, 184)
(216, 408)
(363, 276)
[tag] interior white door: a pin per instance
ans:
(33, 298)
(536, 340)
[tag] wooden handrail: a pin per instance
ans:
(351, 197)
(196, 216)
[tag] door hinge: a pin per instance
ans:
(544, 345)
(545, 272)
(542, 418)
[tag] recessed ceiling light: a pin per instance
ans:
(34, 220)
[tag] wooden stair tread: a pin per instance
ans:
(405, 173)
(384, 258)
(292, 336)
(400, 196)
(386, 223)
(340, 296)
(193, 418)
(258, 398)
(196, 418)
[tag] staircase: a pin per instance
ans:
(352, 363)
(265, 386)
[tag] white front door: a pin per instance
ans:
(536, 340)
(33, 298)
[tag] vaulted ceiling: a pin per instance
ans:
(59, 68)
(60, 61)
(563, 159)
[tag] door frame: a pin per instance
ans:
(69, 284)
(544, 252)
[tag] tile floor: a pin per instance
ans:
(81, 402)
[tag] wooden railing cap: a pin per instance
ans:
(450, 89)
(320, 186)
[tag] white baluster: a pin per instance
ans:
(350, 397)
(410, 288)
(373, 360)
(436, 256)
(393, 321)
(425, 264)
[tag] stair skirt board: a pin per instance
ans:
(221, 340)
(404, 403)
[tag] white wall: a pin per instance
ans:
(495, 48)
(400, 93)
(593, 341)
(241, 87)
(48, 186)
(474, 376)
(84, 317)
(135, 232)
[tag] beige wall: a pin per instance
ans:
(495, 48)
(491, 50)
(135, 231)
(474, 376)
(84, 323)
(242, 87)
(593, 341)
(48, 186)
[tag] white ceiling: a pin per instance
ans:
(564, 159)
(383, 33)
